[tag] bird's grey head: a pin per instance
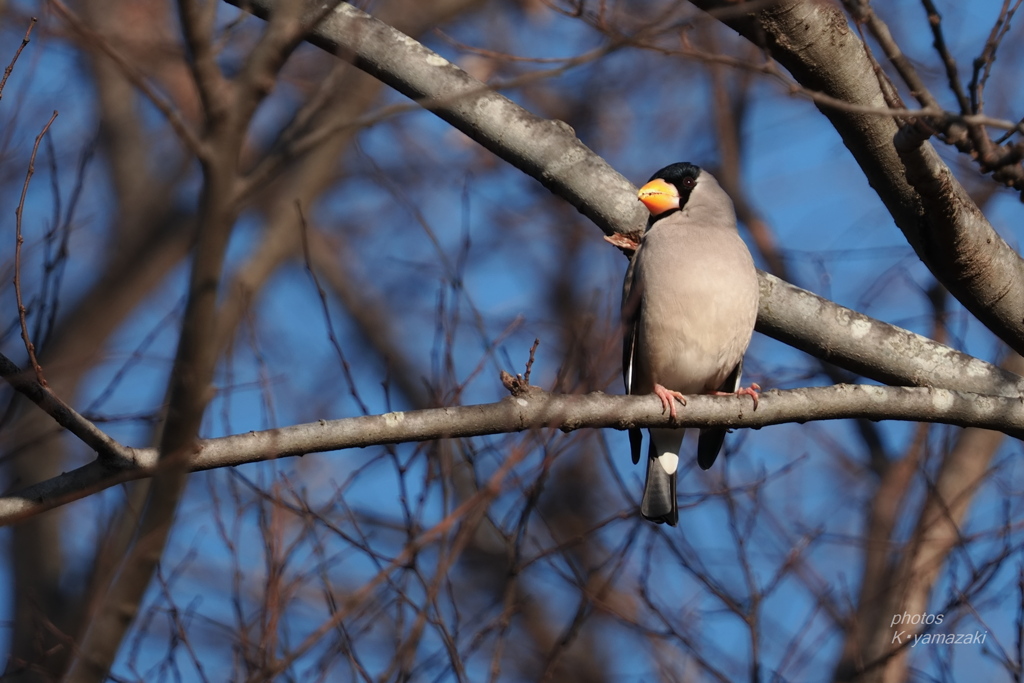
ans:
(684, 186)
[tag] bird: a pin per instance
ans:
(689, 303)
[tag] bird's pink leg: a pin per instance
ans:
(750, 391)
(667, 396)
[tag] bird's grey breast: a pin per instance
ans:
(698, 296)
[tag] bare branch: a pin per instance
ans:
(952, 72)
(546, 150)
(19, 239)
(550, 152)
(961, 242)
(541, 410)
(325, 308)
(197, 20)
(872, 348)
(863, 12)
(107, 448)
(814, 43)
(983, 62)
(17, 53)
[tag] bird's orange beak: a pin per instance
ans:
(659, 196)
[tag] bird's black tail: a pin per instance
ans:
(659, 501)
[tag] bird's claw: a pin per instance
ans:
(667, 402)
(750, 391)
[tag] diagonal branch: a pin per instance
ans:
(30, 347)
(17, 53)
(872, 348)
(546, 150)
(550, 152)
(197, 23)
(107, 448)
(813, 41)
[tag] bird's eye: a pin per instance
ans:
(689, 182)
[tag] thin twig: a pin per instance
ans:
(345, 367)
(529, 363)
(938, 116)
(1004, 20)
(863, 12)
(983, 62)
(952, 73)
(17, 53)
(19, 240)
(293, 144)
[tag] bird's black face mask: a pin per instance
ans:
(669, 189)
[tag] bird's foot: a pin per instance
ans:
(667, 402)
(750, 391)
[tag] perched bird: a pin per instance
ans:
(689, 303)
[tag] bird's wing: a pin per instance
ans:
(630, 324)
(710, 441)
(732, 382)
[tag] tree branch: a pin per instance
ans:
(813, 41)
(107, 448)
(544, 149)
(550, 152)
(227, 120)
(539, 410)
(872, 348)
(197, 24)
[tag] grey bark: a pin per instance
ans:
(814, 42)
(550, 152)
(538, 410)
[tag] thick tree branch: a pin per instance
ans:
(540, 410)
(872, 348)
(550, 152)
(986, 266)
(813, 41)
(189, 393)
(546, 150)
